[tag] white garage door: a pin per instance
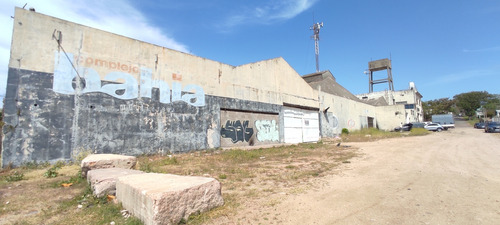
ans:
(301, 125)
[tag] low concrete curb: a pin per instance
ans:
(166, 198)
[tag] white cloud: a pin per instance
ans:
(293, 8)
(116, 16)
(461, 77)
(273, 11)
(491, 49)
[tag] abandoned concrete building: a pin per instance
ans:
(72, 88)
(410, 98)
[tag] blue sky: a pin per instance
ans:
(446, 47)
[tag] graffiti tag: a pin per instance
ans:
(64, 74)
(237, 131)
(351, 123)
(267, 130)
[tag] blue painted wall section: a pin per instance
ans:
(44, 125)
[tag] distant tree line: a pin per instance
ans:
(465, 104)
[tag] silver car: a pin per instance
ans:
(434, 127)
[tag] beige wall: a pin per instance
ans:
(390, 116)
(270, 81)
(411, 97)
(350, 114)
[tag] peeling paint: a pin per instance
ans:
(61, 125)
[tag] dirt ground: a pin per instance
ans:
(450, 177)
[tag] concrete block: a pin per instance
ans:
(103, 181)
(166, 198)
(102, 161)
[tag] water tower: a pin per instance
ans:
(377, 65)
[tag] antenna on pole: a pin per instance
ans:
(316, 27)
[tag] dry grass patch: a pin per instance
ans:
(372, 134)
(250, 177)
(38, 199)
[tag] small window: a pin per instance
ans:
(409, 106)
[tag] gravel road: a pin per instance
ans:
(451, 177)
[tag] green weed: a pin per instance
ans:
(34, 165)
(146, 167)
(52, 171)
(15, 176)
(170, 161)
(372, 134)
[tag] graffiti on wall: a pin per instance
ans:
(267, 130)
(126, 86)
(237, 131)
(332, 121)
(351, 123)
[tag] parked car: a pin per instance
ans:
(479, 125)
(434, 127)
(492, 127)
(486, 123)
(418, 125)
(404, 127)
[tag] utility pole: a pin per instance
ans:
(316, 27)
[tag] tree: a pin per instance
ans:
(491, 106)
(471, 101)
(439, 106)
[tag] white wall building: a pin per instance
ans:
(410, 98)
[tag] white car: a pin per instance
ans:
(434, 127)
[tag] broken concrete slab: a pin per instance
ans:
(102, 161)
(165, 198)
(103, 181)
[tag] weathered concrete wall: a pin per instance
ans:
(404, 97)
(411, 97)
(47, 126)
(249, 128)
(73, 88)
(390, 116)
(329, 124)
(344, 113)
(111, 94)
(270, 81)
